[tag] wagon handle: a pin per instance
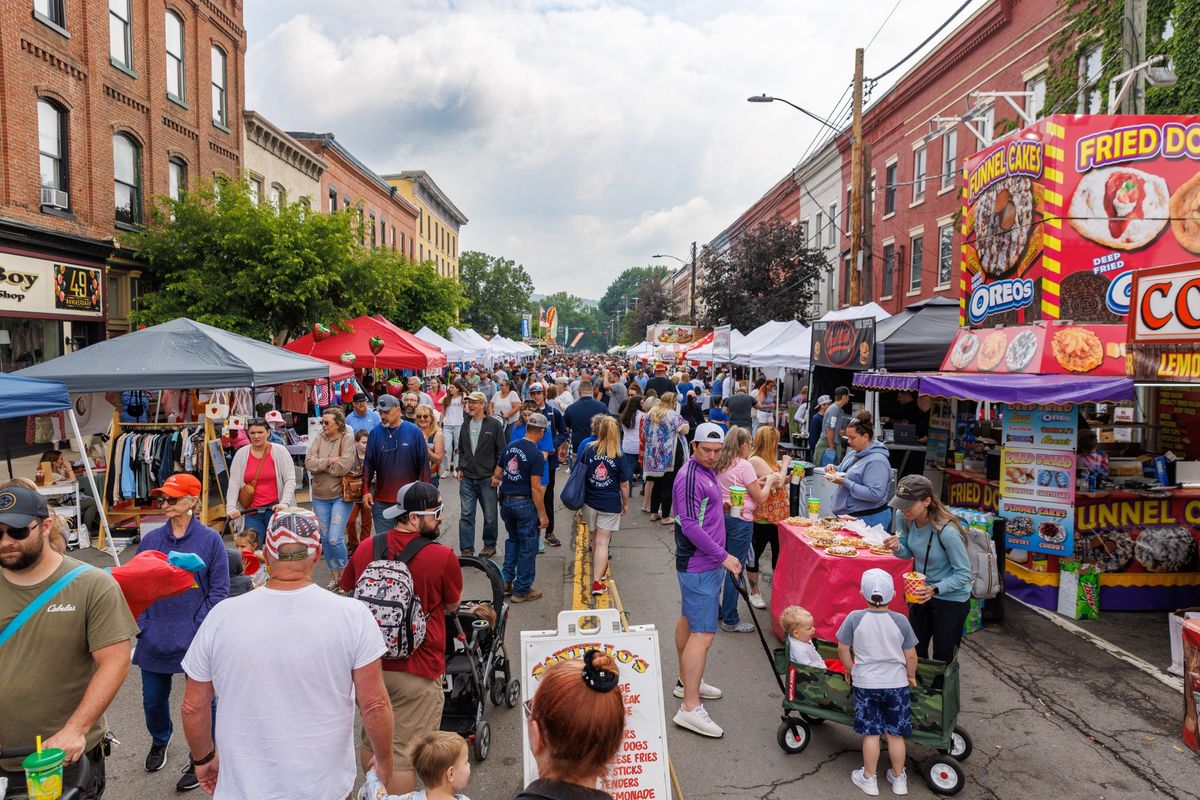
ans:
(739, 583)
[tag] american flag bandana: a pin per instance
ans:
(297, 526)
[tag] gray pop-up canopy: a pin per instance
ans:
(918, 337)
(180, 354)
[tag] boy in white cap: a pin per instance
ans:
(882, 666)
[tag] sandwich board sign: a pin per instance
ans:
(640, 770)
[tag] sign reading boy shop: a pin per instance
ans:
(37, 286)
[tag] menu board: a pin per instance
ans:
(1046, 476)
(1041, 427)
(1039, 527)
(1179, 421)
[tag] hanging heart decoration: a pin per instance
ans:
(376, 344)
(321, 332)
(348, 358)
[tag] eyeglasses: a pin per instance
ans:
(435, 512)
(423, 416)
(19, 534)
(170, 501)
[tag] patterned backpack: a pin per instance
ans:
(386, 586)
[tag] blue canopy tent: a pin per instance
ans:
(21, 397)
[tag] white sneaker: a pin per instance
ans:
(757, 601)
(899, 783)
(868, 785)
(741, 627)
(707, 691)
(699, 721)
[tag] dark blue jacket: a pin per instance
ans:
(579, 418)
(558, 430)
(169, 625)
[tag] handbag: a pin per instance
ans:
(775, 507)
(35, 606)
(574, 489)
(246, 493)
(352, 484)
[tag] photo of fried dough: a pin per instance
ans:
(1185, 214)
(1120, 207)
(991, 352)
(1077, 349)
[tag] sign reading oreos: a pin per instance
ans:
(844, 343)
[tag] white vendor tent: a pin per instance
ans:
(704, 353)
(642, 350)
(788, 350)
(758, 338)
(453, 352)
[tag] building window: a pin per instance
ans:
(945, 254)
(919, 174)
(421, 249)
(333, 201)
(949, 158)
(394, 240)
(831, 239)
(889, 189)
(917, 247)
(849, 205)
(362, 233)
(176, 178)
(819, 230)
(1035, 104)
(803, 225)
(120, 36)
(127, 179)
(276, 196)
(52, 148)
(374, 243)
(889, 268)
(51, 11)
(174, 55)
(1090, 67)
(383, 233)
(256, 190)
(219, 110)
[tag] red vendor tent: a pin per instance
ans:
(437, 359)
(354, 336)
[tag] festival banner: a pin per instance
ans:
(1059, 348)
(844, 343)
(1039, 527)
(526, 320)
(551, 324)
(1045, 476)
(578, 336)
(971, 491)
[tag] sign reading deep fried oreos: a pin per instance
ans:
(844, 343)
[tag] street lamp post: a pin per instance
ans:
(692, 291)
(495, 330)
(763, 98)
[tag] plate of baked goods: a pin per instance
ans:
(842, 551)
(880, 550)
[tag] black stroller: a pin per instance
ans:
(477, 666)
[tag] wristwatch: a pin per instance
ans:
(935, 590)
(199, 762)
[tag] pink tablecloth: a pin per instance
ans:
(827, 586)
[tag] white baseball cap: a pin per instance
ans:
(878, 587)
(709, 432)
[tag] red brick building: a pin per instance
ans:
(102, 108)
(387, 218)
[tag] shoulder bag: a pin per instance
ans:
(35, 606)
(352, 484)
(574, 490)
(246, 493)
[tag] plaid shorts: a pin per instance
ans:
(882, 711)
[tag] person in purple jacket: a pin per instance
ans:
(169, 625)
(700, 564)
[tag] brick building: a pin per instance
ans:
(278, 168)
(386, 217)
(439, 222)
(102, 108)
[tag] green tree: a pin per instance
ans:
(767, 274)
(496, 289)
(574, 317)
(624, 288)
(412, 295)
(655, 304)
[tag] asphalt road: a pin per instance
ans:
(1050, 714)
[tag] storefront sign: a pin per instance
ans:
(1039, 527)
(1041, 428)
(1044, 349)
(1045, 476)
(844, 343)
(640, 770)
(35, 286)
(1058, 217)
(971, 492)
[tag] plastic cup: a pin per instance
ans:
(737, 496)
(814, 507)
(44, 774)
(912, 582)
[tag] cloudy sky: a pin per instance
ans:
(579, 136)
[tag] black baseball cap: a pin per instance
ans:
(841, 391)
(20, 506)
(360, 397)
(910, 490)
(416, 496)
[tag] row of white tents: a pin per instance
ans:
(467, 345)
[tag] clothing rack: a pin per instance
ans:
(207, 511)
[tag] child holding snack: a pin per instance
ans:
(882, 666)
(440, 761)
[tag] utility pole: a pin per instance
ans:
(1133, 40)
(857, 181)
(692, 293)
(867, 282)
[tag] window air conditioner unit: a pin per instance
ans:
(55, 198)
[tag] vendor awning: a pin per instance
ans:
(20, 397)
(1027, 389)
(918, 337)
(354, 337)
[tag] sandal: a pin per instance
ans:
(654, 517)
(667, 521)
(645, 511)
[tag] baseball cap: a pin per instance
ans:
(536, 387)
(841, 391)
(909, 490)
(181, 484)
(823, 399)
(477, 397)
(20, 506)
(709, 432)
(360, 397)
(877, 587)
(293, 526)
(416, 496)
(660, 367)
(387, 401)
(537, 421)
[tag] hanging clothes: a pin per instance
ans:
(144, 459)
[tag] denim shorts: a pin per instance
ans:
(701, 598)
(882, 711)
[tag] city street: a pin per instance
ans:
(1050, 714)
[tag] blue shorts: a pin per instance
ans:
(700, 594)
(882, 711)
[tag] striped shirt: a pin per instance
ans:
(699, 519)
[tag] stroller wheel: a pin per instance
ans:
(483, 741)
(960, 745)
(793, 736)
(498, 690)
(943, 775)
(513, 695)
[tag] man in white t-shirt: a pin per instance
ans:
(289, 661)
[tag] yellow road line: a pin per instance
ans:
(581, 594)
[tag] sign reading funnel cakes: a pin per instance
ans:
(1120, 207)
(1077, 349)
(1003, 222)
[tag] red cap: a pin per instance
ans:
(181, 484)
(659, 365)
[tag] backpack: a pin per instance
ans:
(386, 586)
(981, 555)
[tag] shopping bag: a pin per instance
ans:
(1078, 590)
(573, 491)
(1191, 683)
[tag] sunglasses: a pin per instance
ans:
(325, 423)
(170, 501)
(435, 512)
(20, 534)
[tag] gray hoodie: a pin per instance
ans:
(868, 475)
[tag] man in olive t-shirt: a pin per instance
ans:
(63, 667)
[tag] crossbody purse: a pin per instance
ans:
(48, 594)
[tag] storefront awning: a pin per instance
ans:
(887, 381)
(1028, 389)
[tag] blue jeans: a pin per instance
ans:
(520, 549)
(470, 491)
(381, 525)
(738, 533)
(631, 465)
(156, 703)
(258, 524)
(333, 515)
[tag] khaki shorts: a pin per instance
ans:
(416, 709)
(607, 520)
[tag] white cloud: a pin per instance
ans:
(580, 136)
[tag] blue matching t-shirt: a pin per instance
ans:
(545, 444)
(602, 490)
(521, 460)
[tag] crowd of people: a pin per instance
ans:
(704, 452)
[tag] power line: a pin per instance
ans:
(882, 24)
(917, 49)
